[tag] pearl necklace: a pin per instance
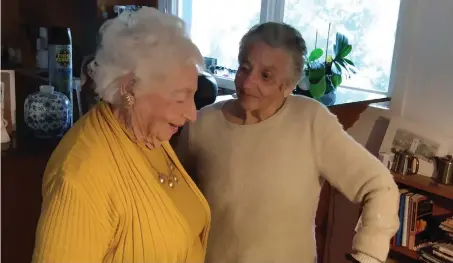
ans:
(171, 179)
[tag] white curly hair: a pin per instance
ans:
(146, 43)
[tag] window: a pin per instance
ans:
(214, 31)
(370, 26)
(216, 27)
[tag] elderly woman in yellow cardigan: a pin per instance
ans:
(114, 190)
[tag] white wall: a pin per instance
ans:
(428, 97)
(422, 79)
(422, 85)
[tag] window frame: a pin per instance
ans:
(273, 11)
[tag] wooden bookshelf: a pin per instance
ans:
(426, 184)
(405, 251)
(442, 195)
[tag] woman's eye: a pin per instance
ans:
(243, 68)
(180, 99)
(266, 76)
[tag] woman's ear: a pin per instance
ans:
(288, 90)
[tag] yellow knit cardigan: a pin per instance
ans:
(102, 202)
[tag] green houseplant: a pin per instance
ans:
(324, 76)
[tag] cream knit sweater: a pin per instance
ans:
(263, 182)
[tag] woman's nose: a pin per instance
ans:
(249, 81)
(191, 113)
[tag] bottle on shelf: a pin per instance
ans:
(60, 62)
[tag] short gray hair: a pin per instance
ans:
(146, 43)
(277, 35)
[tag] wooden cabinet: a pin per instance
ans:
(442, 197)
(24, 17)
(21, 204)
(21, 20)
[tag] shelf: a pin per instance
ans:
(405, 251)
(424, 183)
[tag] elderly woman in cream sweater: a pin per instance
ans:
(261, 160)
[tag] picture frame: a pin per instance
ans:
(8, 84)
(421, 140)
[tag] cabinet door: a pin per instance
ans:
(21, 205)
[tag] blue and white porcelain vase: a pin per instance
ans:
(47, 113)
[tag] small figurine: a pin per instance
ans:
(4, 122)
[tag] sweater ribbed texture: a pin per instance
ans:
(263, 183)
(102, 201)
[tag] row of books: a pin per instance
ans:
(447, 226)
(421, 231)
(415, 213)
(440, 252)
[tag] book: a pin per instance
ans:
(420, 215)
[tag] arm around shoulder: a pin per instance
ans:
(360, 177)
(69, 228)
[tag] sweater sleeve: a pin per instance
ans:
(69, 230)
(361, 178)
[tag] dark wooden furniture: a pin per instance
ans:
(22, 167)
(21, 20)
(21, 204)
(442, 196)
(426, 184)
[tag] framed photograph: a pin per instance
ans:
(8, 96)
(418, 139)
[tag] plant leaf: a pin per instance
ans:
(342, 40)
(341, 63)
(319, 88)
(338, 43)
(345, 51)
(336, 80)
(337, 67)
(345, 64)
(316, 71)
(349, 61)
(352, 69)
(315, 54)
(341, 46)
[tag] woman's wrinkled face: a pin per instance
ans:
(170, 105)
(262, 78)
